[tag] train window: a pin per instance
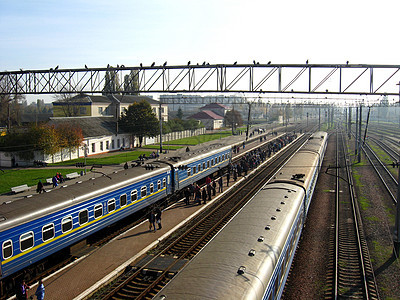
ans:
(83, 216)
(134, 195)
(143, 191)
(199, 167)
(189, 172)
(194, 170)
(98, 211)
(208, 164)
(7, 249)
(111, 205)
(159, 185)
(66, 224)
(164, 184)
(48, 232)
(151, 188)
(212, 161)
(122, 200)
(26, 241)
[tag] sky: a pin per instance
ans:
(40, 34)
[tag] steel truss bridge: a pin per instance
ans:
(350, 79)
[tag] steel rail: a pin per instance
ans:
(241, 200)
(379, 173)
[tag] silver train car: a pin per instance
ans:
(251, 256)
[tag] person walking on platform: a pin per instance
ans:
(234, 175)
(204, 196)
(191, 188)
(197, 193)
(40, 188)
(54, 181)
(40, 290)
(208, 180)
(152, 221)
(158, 217)
(220, 185)
(209, 189)
(187, 194)
(214, 187)
(22, 291)
(228, 176)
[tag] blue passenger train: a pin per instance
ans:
(34, 228)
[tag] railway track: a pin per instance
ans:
(149, 275)
(353, 273)
(393, 154)
(386, 177)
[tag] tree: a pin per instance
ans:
(192, 124)
(140, 121)
(233, 118)
(20, 142)
(111, 82)
(69, 106)
(131, 83)
(9, 105)
(47, 138)
(180, 113)
(70, 136)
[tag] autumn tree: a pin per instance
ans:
(70, 137)
(140, 121)
(47, 138)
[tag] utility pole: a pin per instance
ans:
(359, 135)
(319, 116)
(349, 125)
(159, 116)
(356, 150)
(248, 122)
(397, 226)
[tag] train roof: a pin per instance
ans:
(214, 272)
(78, 190)
(73, 192)
(307, 159)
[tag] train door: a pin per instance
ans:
(175, 178)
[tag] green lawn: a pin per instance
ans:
(118, 158)
(13, 177)
(195, 140)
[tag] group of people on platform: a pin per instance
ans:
(56, 179)
(155, 217)
(22, 291)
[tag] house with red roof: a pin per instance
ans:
(209, 118)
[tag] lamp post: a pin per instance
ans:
(397, 226)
